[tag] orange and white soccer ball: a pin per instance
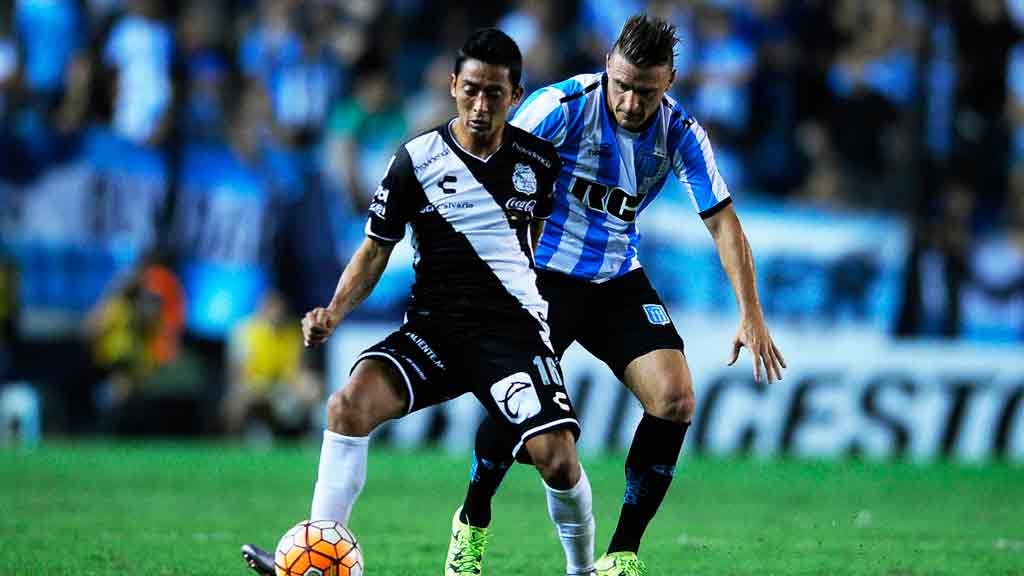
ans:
(320, 548)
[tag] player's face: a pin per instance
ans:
(634, 93)
(483, 94)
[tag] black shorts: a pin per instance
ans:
(617, 321)
(517, 379)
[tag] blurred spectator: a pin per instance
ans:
(205, 68)
(719, 81)
(993, 302)
(939, 266)
(268, 387)
(600, 24)
(823, 185)
(139, 50)
(533, 25)
(49, 33)
(224, 220)
(431, 104)
(134, 331)
(305, 78)
(8, 58)
(722, 72)
(285, 113)
(984, 35)
(363, 131)
(774, 159)
(872, 80)
(266, 42)
(9, 309)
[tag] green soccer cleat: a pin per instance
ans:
(466, 549)
(620, 564)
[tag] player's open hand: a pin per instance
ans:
(317, 326)
(753, 334)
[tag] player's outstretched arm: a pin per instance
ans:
(357, 281)
(738, 261)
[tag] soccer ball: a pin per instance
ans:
(321, 548)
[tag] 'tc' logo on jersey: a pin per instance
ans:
(615, 201)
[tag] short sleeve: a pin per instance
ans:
(542, 115)
(393, 202)
(693, 162)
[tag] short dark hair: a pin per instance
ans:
(647, 41)
(492, 46)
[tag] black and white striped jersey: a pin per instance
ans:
(470, 223)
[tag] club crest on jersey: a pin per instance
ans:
(656, 314)
(516, 397)
(524, 180)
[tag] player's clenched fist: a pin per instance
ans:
(317, 326)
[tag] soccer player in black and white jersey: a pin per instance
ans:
(476, 321)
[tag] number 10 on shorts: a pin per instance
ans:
(548, 369)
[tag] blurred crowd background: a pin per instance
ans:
(180, 180)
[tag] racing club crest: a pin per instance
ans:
(524, 180)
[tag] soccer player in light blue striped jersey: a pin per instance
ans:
(620, 137)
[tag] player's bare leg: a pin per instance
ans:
(661, 381)
(373, 395)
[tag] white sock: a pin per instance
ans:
(573, 516)
(340, 477)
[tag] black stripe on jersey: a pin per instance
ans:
(453, 282)
(587, 90)
(491, 173)
(716, 208)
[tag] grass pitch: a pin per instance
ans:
(176, 509)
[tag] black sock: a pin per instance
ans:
(491, 460)
(650, 466)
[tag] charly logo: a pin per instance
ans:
(516, 397)
(524, 180)
(444, 183)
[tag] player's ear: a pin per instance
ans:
(517, 94)
(452, 83)
(671, 78)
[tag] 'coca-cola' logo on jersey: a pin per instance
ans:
(520, 205)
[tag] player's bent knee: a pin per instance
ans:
(554, 455)
(343, 414)
(362, 405)
(676, 404)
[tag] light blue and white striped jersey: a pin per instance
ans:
(609, 175)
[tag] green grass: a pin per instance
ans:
(179, 509)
